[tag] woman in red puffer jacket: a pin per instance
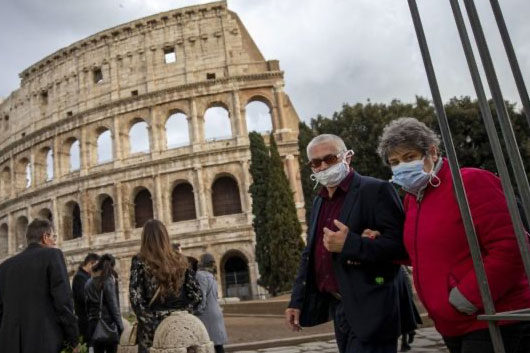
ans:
(436, 241)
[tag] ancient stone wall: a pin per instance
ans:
(132, 79)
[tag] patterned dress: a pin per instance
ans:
(142, 288)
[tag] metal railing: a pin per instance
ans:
(491, 316)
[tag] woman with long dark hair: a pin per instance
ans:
(160, 283)
(102, 302)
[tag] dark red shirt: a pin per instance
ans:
(329, 211)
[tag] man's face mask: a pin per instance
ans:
(333, 175)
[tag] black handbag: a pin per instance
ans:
(105, 333)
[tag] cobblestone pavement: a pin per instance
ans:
(427, 340)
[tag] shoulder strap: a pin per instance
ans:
(154, 297)
(101, 302)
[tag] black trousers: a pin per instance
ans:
(100, 348)
(516, 339)
(346, 340)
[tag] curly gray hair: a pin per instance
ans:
(406, 133)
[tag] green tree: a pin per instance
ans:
(282, 229)
(259, 169)
(305, 135)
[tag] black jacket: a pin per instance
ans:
(370, 291)
(110, 310)
(36, 307)
(78, 289)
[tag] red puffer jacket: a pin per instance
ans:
(436, 241)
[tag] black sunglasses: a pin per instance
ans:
(329, 159)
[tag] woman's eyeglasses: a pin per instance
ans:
(329, 159)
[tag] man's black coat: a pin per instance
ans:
(369, 290)
(36, 308)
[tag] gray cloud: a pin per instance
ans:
(333, 52)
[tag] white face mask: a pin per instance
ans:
(332, 176)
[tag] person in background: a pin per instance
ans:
(102, 299)
(36, 306)
(177, 248)
(436, 241)
(78, 288)
(209, 310)
(193, 264)
(160, 283)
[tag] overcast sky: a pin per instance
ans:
(332, 51)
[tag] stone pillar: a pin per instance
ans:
(14, 184)
(155, 131)
(196, 136)
(117, 153)
(11, 235)
(118, 210)
(159, 209)
(200, 192)
(33, 169)
(57, 222)
(278, 94)
(86, 217)
(83, 145)
(245, 185)
(291, 175)
(57, 173)
(237, 125)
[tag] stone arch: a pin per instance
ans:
(23, 174)
(104, 148)
(217, 124)
(72, 223)
(177, 130)
(4, 240)
(143, 206)
(5, 182)
(258, 114)
(235, 275)
(21, 227)
(183, 202)
(225, 196)
(105, 221)
(139, 133)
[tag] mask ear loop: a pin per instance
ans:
(314, 178)
(433, 177)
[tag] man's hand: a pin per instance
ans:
(292, 319)
(334, 241)
(371, 234)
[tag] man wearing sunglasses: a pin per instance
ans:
(36, 307)
(344, 275)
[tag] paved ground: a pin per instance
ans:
(427, 340)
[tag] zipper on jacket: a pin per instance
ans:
(416, 267)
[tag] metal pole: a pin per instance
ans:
(502, 113)
(493, 138)
(457, 179)
(512, 58)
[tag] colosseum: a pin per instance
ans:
(149, 119)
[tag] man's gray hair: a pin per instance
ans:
(406, 133)
(327, 138)
(36, 229)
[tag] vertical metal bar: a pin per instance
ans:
(493, 138)
(512, 58)
(457, 178)
(502, 113)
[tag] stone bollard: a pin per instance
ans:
(125, 345)
(181, 332)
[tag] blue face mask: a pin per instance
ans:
(411, 176)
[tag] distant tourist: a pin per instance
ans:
(342, 274)
(435, 238)
(102, 301)
(209, 310)
(193, 264)
(78, 287)
(177, 248)
(36, 307)
(160, 283)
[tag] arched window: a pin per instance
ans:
(177, 133)
(258, 116)
(107, 215)
(49, 165)
(235, 275)
(4, 240)
(75, 156)
(183, 203)
(73, 227)
(104, 146)
(139, 138)
(143, 208)
(217, 124)
(21, 228)
(28, 174)
(225, 197)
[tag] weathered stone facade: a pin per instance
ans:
(182, 61)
